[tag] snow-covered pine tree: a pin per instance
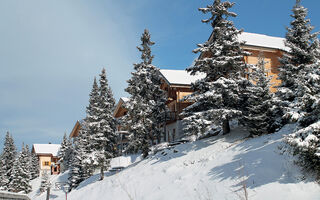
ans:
(20, 174)
(298, 63)
(156, 97)
(305, 106)
(45, 182)
(27, 149)
(101, 125)
(65, 153)
(9, 154)
(34, 166)
(62, 150)
(107, 121)
(92, 118)
(146, 106)
(3, 179)
(258, 110)
(217, 95)
(80, 166)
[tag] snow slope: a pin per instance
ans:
(214, 168)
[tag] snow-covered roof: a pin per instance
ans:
(124, 99)
(260, 40)
(47, 149)
(179, 77)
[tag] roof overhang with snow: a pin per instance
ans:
(46, 149)
(261, 41)
(179, 77)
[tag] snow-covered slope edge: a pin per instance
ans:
(208, 169)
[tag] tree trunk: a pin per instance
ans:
(101, 172)
(226, 126)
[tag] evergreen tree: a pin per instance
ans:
(80, 165)
(146, 106)
(258, 115)
(217, 95)
(3, 179)
(65, 153)
(107, 121)
(101, 125)
(20, 174)
(34, 166)
(8, 158)
(305, 104)
(299, 64)
(92, 119)
(45, 182)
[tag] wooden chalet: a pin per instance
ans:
(48, 157)
(177, 83)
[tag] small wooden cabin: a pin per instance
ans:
(48, 157)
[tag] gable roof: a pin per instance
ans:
(179, 77)
(260, 40)
(52, 149)
(119, 104)
(75, 130)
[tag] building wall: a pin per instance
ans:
(42, 160)
(272, 65)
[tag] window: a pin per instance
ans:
(46, 163)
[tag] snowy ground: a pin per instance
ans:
(214, 168)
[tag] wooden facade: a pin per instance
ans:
(271, 56)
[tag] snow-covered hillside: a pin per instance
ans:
(214, 168)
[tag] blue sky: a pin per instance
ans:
(50, 51)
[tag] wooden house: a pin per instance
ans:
(48, 157)
(177, 83)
